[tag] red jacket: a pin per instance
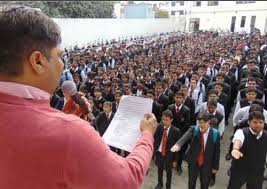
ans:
(42, 148)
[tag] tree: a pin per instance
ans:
(161, 14)
(69, 9)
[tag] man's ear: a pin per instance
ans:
(38, 62)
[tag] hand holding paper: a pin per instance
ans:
(128, 122)
(149, 124)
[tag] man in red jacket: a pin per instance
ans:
(43, 148)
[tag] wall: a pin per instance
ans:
(83, 31)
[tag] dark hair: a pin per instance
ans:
(256, 115)
(219, 83)
(142, 81)
(97, 89)
(167, 113)
(127, 86)
(179, 93)
(212, 102)
(203, 116)
(107, 103)
(251, 79)
(90, 98)
(151, 91)
(251, 89)
(108, 84)
(184, 86)
(255, 107)
(259, 102)
(24, 30)
(159, 83)
(118, 92)
(212, 91)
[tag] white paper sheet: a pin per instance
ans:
(124, 129)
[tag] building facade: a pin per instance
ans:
(234, 16)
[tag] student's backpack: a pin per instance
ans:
(216, 134)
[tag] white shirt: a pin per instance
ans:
(160, 146)
(108, 115)
(198, 99)
(201, 88)
(139, 92)
(178, 107)
(238, 98)
(237, 107)
(243, 113)
(221, 125)
(239, 135)
(220, 108)
(206, 134)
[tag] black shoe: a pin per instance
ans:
(229, 172)
(180, 170)
(228, 157)
(265, 177)
(159, 186)
(212, 182)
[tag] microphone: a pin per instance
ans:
(69, 89)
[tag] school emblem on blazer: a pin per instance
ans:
(182, 118)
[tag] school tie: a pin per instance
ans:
(200, 159)
(177, 110)
(108, 117)
(191, 94)
(164, 142)
(157, 98)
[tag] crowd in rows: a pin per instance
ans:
(188, 76)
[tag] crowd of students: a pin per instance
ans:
(195, 80)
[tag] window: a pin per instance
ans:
(181, 12)
(252, 23)
(233, 24)
(197, 3)
(244, 2)
(243, 21)
(173, 4)
(213, 3)
(172, 13)
(181, 3)
(167, 3)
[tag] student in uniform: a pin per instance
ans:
(190, 103)
(217, 124)
(249, 153)
(181, 120)
(104, 118)
(195, 94)
(165, 137)
(203, 154)
(118, 94)
(251, 95)
(98, 100)
(160, 98)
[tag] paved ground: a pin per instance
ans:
(180, 182)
